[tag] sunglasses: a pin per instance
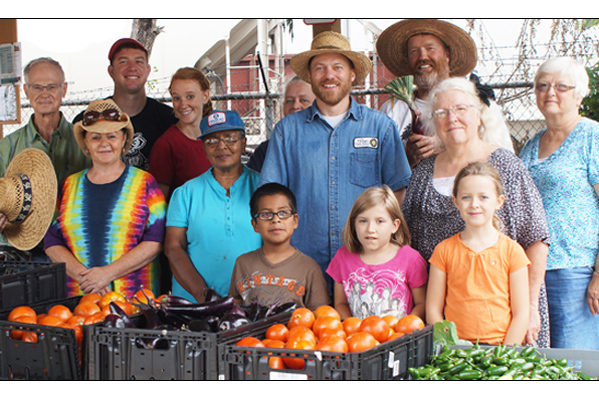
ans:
(91, 117)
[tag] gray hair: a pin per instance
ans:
(569, 67)
(41, 60)
(493, 129)
(293, 81)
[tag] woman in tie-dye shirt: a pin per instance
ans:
(110, 218)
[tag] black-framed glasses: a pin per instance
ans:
(268, 215)
(91, 117)
(51, 88)
(543, 87)
(227, 140)
(458, 111)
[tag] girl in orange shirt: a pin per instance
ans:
(478, 278)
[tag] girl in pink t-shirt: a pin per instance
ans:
(479, 277)
(377, 272)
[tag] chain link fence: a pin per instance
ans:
(261, 112)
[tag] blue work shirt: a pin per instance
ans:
(219, 227)
(327, 169)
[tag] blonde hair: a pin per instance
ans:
(372, 197)
(481, 169)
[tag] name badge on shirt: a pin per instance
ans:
(366, 143)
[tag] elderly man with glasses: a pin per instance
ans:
(47, 130)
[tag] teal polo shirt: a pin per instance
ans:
(218, 226)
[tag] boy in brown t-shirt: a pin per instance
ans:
(277, 270)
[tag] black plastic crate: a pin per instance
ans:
(115, 354)
(388, 361)
(24, 283)
(55, 356)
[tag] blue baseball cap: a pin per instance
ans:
(218, 121)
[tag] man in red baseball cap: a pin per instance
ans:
(129, 69)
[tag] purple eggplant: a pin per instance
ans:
(172, 300)
(285, 307)
(199, 325)
(211, 295)
(114, 321)
(115, 309)
(237, 309)
(232, 321)
(198, 311)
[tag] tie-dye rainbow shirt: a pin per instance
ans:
(100, 223)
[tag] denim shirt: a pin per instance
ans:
(328, 168)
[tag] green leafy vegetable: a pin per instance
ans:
(445, 333)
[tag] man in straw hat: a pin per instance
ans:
(330, 152)
(129, 69)
(47, 130)
(431, 50)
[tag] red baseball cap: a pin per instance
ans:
(119, 43)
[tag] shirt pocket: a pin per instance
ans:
(364, 168)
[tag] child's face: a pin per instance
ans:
(374, 228)
(477, 200)
(275, 231)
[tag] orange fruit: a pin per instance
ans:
(351, 325)
(249, 341)
(300, 362)
(110, 296)
(273, 343)
(409, 324)
(23, 319)
(77, 328)
(21, 311)
(76, 320)
(301, 333)
(29, 337)
(277, 332)
(301, 316)
(87, 309)
(395, 335)
(361, 341)
(326, 311)
(143, 294)
(94, 319)
(276, 363)
(333, 343)
(325, 322)
(40, 316)
(50, 320)
(329, 332)
(61, 312)
(93, 297)
(391, 320)
(376, 326)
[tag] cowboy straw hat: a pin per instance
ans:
(331, 42)
(102, 125)
(28, 198)
(392, 45)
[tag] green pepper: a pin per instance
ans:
(584, 377)
(527, 351)
(468, 375)
(445, 366)
(500, 360)
(516, 361)
(414, 373)
(497, 370)
(457, 369)
(499, 350)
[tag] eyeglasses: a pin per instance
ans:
(51, 88)
(560, 87)
(91, 117)
(268, 216)
(458, 111)
(227, 140)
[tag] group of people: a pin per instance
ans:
(423, 211)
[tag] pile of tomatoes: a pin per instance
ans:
(91, 309)
(323, 330)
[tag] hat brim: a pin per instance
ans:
(103, 127)
(392, 45)
(38, 167)
(362, 64)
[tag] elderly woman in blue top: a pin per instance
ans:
(563, 161)
(208, 218)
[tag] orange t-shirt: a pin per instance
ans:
(477, 297)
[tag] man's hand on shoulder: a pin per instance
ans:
(419, 147)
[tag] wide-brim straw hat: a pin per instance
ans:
(102, 125)
(331, 42)
(28, 198)
(392, 45)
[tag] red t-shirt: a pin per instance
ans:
(175, 159)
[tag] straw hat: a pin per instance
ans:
(103, 125)
(331, 42)
(392, 45)
(28, 198)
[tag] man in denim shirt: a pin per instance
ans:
(330, 152)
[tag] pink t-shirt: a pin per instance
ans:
(383, 289)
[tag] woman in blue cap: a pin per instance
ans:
(208, 218)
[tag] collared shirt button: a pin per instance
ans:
(333, 158)
(334, 233)
(332, 183)
(333, 207)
